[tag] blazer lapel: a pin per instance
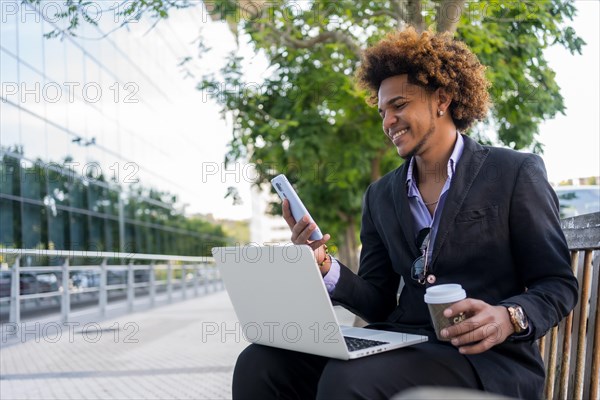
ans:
(402, 208)
(467, 170)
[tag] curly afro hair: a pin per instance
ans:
(432, 60)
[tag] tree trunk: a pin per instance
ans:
(350, 234)
(349, 256)
(376, 165)
(414, 16)
(348, 248)
(448, 15)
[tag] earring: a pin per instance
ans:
(440, 113)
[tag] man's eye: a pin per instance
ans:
(399, 105)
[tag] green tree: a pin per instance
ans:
(308, 119)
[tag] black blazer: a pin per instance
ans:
(499, 237)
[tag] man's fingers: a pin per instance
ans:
(474, 340)
(287, 214)
(482, 331)
(466, 306)
(477, 317)
(304, 236)
(491, 335)
(301, 231)
(469, 335)
(461, 329)
(318, 243)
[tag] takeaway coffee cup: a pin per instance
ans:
(440, 297)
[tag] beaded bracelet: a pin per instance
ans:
(326, 256)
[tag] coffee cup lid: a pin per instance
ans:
(446, 293)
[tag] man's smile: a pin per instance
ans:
(396, 135)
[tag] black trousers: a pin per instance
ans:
(263, 372)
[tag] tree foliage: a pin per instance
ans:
(308, 119)
(510, 40)
(309, 113)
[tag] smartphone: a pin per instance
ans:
(285, 190)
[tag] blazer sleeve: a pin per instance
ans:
(540, 250)
(372, 293)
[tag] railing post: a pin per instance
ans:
(220, 284)
(130, 286)
(183, 282)
(209, 279)
(169, 282)
(103, 291)
(206, 279)
(15, 293)
(121, 212)
(65, 308)
(152, 289)
(215, 279)
(203, 280)
(196, 266)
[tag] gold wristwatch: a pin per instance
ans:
(518, 318)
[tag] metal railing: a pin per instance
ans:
(195, 273)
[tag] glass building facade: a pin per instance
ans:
(97, 133)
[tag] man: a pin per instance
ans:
(493, 226)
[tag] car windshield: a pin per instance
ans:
(578, 201)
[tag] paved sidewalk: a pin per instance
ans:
(156, 354)
(185, 350)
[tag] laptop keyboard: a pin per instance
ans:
(355, 344)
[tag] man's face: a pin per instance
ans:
(408, 114)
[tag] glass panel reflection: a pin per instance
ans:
(58, 230)
(78, 231)
(33, 226)
(33, 180)
(10, 175)
(9, 211)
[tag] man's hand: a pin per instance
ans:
(302, 230)
(485, 327)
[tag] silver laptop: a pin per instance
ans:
(280, 300)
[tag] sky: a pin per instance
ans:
(572, 141)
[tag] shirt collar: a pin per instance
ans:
(459, 146)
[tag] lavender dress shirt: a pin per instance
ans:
(421, 216)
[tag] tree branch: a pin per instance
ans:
(325, 37)
(400, 12)
(287, 39)
(387, 12)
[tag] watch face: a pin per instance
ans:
(520, 317)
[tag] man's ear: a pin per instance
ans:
(443, 99)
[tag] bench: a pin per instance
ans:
(571, 350)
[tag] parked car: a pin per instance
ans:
(83, 280)
(578, 200)
(4, 283)
(29, 283)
